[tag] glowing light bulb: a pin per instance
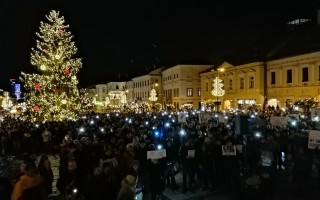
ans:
(43, 67)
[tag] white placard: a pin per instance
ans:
(315, 112)
(279, 121)
(293, 117)
(156, 154)
(239, 148)
(205, 117)
(314, 139)
(182, 117)
(191, 153)
(229, 150)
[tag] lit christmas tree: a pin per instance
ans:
(53, 95)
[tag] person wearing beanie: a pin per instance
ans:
(128, 188)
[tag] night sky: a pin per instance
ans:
(118, 39)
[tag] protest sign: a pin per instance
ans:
(156, 154)
(314, 139)
(229, 150)
(293, 117)
(239, 148)
(279, 121)
(205, 117)
(182, 117)
(191, 153)
(315, 112)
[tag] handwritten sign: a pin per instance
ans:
(156, 154)
(191, 153)
(229, 150)
(314, 139)
(279, 121)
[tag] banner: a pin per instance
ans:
(314, 139)
(229, 150)
(156, 154)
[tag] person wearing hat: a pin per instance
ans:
(128, 188)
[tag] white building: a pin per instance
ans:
(144, 84)
(101, 92)
(182, 85)
(130, 91)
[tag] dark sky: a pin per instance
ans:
(120, 38)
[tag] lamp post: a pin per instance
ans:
(218, 90)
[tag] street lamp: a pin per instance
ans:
(218, 90)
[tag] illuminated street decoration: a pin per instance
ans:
(52, 94)
(6, 102)
(217, 90)
(153, 95)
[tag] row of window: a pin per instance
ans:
(230, 84)
(167, 78)
(144, 83)
(168, 93)
(304, 74)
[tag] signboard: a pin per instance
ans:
(279, 121)
(205, 117)
(191, 153)
(315, 112)
(229, 150)
(314, 139)
(156, 154)
(182, 117)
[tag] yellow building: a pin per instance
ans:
(243, 85)
(181, 85)
(291, 78)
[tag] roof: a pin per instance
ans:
(291, 42)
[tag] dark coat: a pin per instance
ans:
(126, 192)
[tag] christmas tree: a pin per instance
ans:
(52, 94)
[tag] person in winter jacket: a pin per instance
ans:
(128, 188)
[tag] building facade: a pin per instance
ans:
(130, 91)
(182, 85)
(144, 84)
(243, 85)
(101, 92)
(293, 78)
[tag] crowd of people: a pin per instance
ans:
(105, 155)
